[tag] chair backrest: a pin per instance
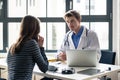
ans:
(2, 79)
(107, 57)
(0, 74)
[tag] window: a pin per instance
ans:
(102, 33)
(53, 34)
(1, 8)
(56, 32)
(13, 28)
(90, 7)
(53, 27)
(55, 8)
(97, 17)
(19, 8)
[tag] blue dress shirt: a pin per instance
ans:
(76, 37)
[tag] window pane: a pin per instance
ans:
(94, 7)
(16, 8)
(82, 6)
(85, 24)
(1, 36)
(97, 8)
(13, 28)
(43, 32)
(56, 8)
(53, 39)
(1, 8)
(37, 8)
(101, 28)
(55, 35)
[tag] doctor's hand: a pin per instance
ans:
(61, 56)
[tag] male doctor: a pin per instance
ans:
(79, 37)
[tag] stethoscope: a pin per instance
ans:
(66, 43)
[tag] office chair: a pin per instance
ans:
(107, 57)
(0, 74)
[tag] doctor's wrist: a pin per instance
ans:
(58, 59)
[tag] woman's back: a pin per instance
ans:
(21, 64)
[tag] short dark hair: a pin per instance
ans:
(74, 13)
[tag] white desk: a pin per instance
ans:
(3, 63)
(76, 76)
(102, 67)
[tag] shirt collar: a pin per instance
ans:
(79, 32)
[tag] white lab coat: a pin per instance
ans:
(88, 40)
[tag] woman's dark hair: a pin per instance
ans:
(29, 29)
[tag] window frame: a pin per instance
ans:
(98, 18)
(85, 18)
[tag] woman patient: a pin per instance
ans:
(26, 51)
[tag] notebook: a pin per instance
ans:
(81, 58)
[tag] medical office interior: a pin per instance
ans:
(102, 16)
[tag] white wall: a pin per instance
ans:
(116, 29)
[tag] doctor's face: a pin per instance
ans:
(73, 23)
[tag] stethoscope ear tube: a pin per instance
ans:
(66, 43)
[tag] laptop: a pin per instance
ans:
(81, 58)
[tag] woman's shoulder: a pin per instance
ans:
(31, 42)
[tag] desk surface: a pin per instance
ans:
(75, 76)
(103, 71)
